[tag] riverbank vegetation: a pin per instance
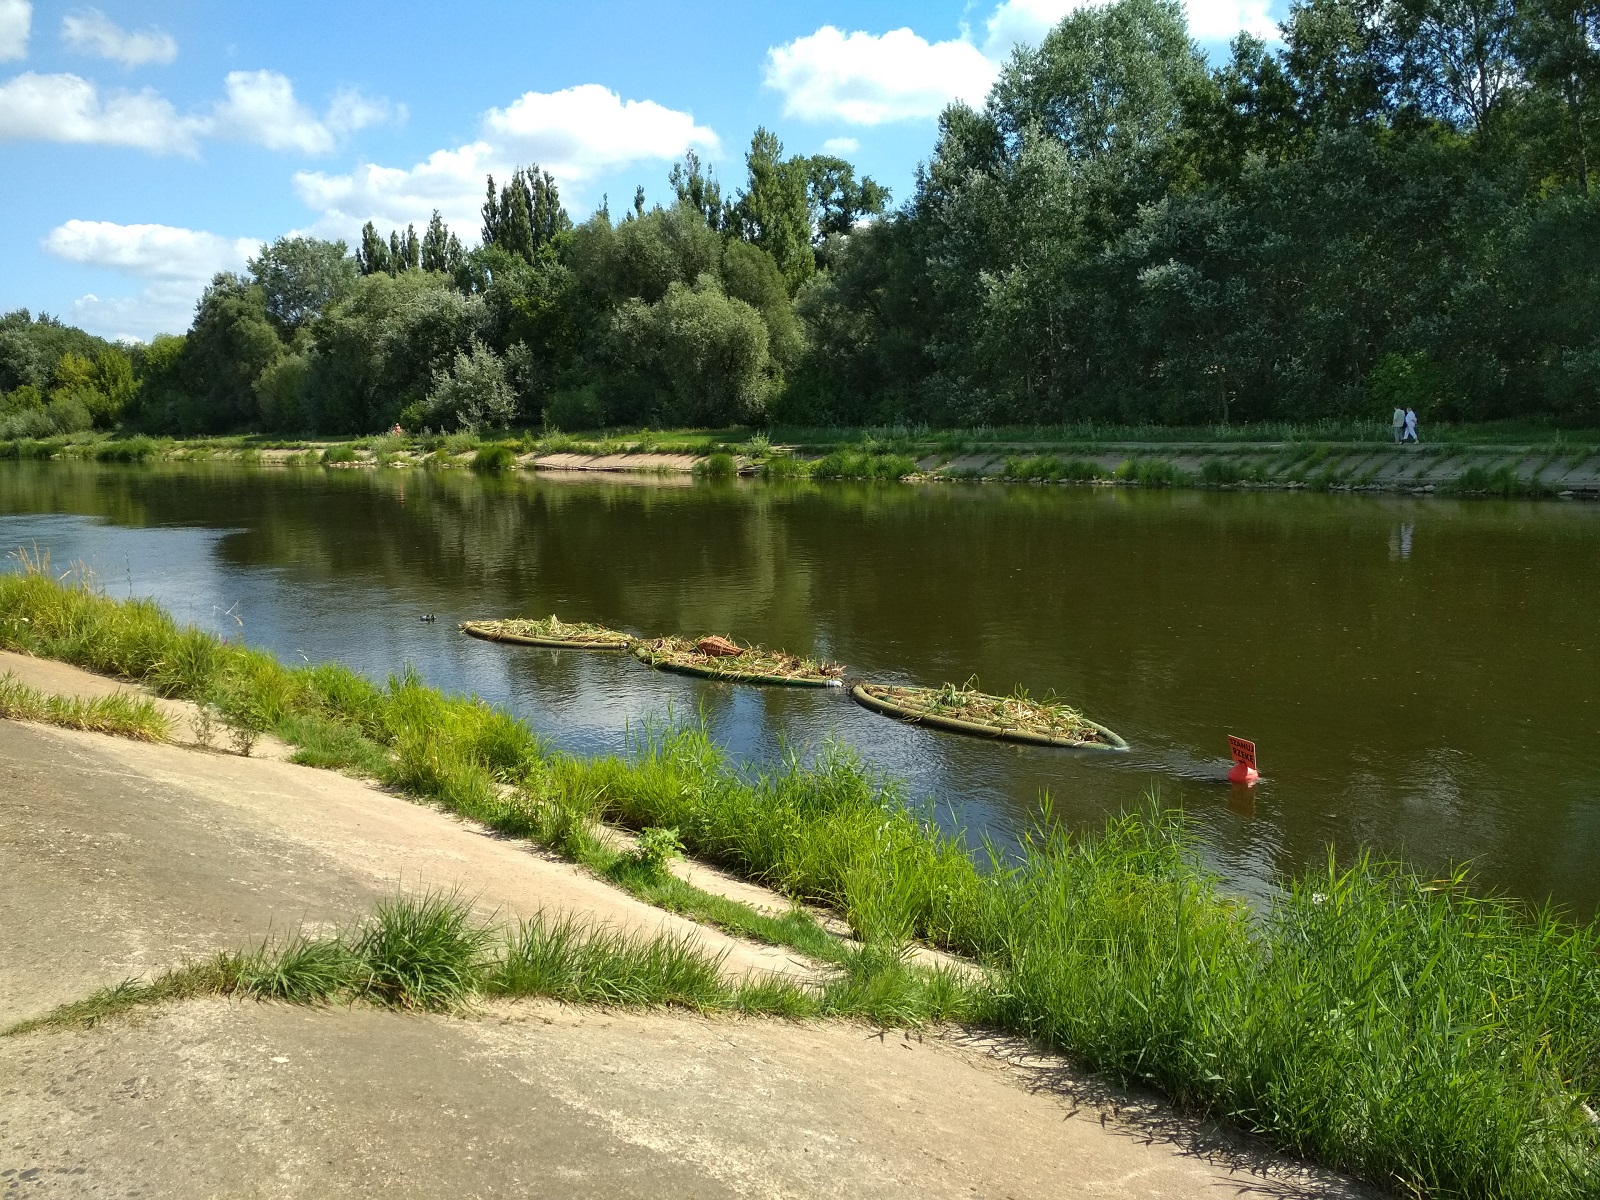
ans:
(1394, 206)
(1425, 1036)
(723, 658)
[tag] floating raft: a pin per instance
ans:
(722, 658)
(548, 631)
(1008, 718)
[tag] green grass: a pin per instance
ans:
(342, 453)
(1434, 1040)
(125, 716)
(863, 463)
(1047, 468)
(495, 456)
(1503, 482)
(427, 954)
(720, 465)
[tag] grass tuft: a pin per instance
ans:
(125, 716)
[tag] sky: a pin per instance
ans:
(146, 145)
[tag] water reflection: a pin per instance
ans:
(1444, 710)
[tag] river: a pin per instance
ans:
(1418, 674)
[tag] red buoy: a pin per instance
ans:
(1244, 761)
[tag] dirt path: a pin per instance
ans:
(119, 858)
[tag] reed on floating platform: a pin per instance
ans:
(964, 709)
(548, 631)
(751, 664)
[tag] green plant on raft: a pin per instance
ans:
(495, 456)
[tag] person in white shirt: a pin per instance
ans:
(1399, 424)
(1411, 426)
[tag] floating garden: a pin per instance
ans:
(723, 658)
(548, 631)
(963, 709)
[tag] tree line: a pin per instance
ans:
(1393, 206)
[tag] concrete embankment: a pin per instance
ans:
(120, 858)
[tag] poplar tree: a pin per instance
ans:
(372, 255)
(774, 212)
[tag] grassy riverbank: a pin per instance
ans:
(1432, 1039)
(1501, 460)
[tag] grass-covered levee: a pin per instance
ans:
(1413, 1031)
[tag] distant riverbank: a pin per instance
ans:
(1462, 462)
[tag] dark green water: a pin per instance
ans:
(1420, 675)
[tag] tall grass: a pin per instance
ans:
(126, 716)
(1437, 1041)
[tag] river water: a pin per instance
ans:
(1418, 674)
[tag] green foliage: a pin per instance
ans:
(472, 392)
(717, 466)
(496, 456)
(344, 452)
(1410, 1030)
(300, 277)
(774, 211)
(865, 463)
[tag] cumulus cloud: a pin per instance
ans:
(581, 131)
(67, 108)
(841, 146)
(16, 16)
(575, 134)
(260, 107)
(867, 79)
(393, 197)
(174, 263)
(92, 32)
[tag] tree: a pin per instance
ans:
(837, 202)
(300, 276)
(472, 392)
(372, 256)
(1458, 61)
(1560, 41)
(441, 249)
(774, 210)
(230, 343)
(698, 189)
(525, 215)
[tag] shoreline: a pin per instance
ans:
(1116, 948)
(1505, 471)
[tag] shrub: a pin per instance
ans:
(495, 456)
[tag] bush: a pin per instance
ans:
(133, 450)
(496, 456)
(344, 452)
(1220, 472)
(473, 392)
(719, 466)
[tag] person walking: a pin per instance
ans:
(1411, 425)
(1399, 424)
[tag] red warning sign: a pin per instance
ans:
(1244, 753)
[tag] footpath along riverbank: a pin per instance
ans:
(1426, 1038)
(1558, 469)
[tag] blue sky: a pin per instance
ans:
(147, 145)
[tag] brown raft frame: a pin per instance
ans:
(480, 629)
(866, 699)
(642, 652)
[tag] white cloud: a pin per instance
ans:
(393, 197)
(260, 107)
(15, 18)
(352, 110)
(581, 131)
(575, 134)
(1221, 20)
(67, 108)
(175, 264)
(841, 146)
(1023, 22)
(867, 79)
(92, 32)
